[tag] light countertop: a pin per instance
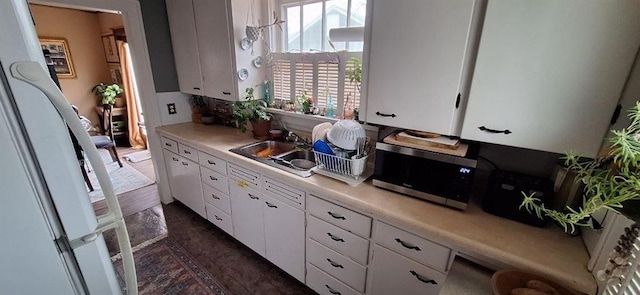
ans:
(546, 251)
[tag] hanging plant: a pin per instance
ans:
(611, 182)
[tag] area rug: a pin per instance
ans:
(138, 156)
(164, 267)
(124, 179)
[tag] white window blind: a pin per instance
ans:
(282, 79)
(320, 74)
(631, 283)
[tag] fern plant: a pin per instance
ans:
(611, 182)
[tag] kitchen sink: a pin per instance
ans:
(278, 154)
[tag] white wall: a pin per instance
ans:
(183, 108)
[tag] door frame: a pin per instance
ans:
(132, 18)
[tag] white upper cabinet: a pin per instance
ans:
(417, 54)
(206, 37)
(214, 43)
(185, 46)
(549, 73)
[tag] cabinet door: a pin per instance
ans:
(416, 58)
(190, 186)
(551, 72)
(172, 162)
(214, 45)
(185, 46)
(284, 236)
(393, 273)
(246, 208)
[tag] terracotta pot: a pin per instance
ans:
(120, 102)
(261, 129)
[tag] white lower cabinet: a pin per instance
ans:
(337, 265)
(248, 221)
(284, 236)
(325, 284)
(184, 180)
(219, 218)
(393, 273)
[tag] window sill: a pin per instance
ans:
(311, 120)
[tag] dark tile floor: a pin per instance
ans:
(235, 266)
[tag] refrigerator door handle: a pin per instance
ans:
(32, 73)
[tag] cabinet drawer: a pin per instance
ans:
(169, 144)
(245, 177)
(393, 273)
(325, 284)
(214, 163)
(214, 180)
(284, 192)
(345, 269)
(217, 198)
(412, 246)
(219, 218)
(188, 152)
(338, 239)
(342, 217)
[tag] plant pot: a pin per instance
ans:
(207, 120)
(261, 129)
(631, 209)
(120, 102)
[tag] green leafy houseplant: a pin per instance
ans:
(611, 182)
(354, 72)
(251, 109)
(107, 93)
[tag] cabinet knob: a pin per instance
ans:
(407, 245)
(386, 115)
(336, 216)
(270, 205)
(335, 238)
(423, 279)
(336, 265)
(332, 291)
(506, 131)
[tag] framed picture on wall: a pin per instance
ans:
(60, 55)
(110, 48)
(116, 73)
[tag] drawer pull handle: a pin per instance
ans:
(407, 245)
(334, 264)
(174, 159)
(215, 197)
(217, 218)
(196, 88)
(337, 239)
(423, 279)
(211, 162)
(213, 178)
(386, 115)
(506, 131)
(226, 93)
(187, 152)
(185, 163)
(336, 216)
(168, 144)
(332, 291)
(270, 205)
(253, 197)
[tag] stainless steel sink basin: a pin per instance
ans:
(273, 153)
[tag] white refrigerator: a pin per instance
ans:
(50, 238)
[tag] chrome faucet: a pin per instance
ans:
(295, 138)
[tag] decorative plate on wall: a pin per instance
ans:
(243, 74)
(245, 44)
(257, 62)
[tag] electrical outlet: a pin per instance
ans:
(171, 107)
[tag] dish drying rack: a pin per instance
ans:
(350, 171)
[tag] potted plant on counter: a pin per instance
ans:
(108, 94)
(254, 111)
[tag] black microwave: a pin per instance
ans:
(435, 177)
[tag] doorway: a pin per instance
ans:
(100, 46)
